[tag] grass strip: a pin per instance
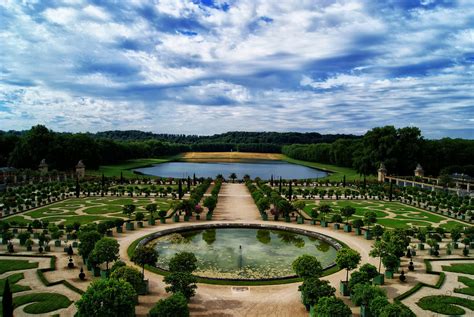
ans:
(15, 265)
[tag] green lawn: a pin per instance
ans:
(95, 208)
(447, 305)
(466, 268)
(469, 290)
(15, 265)
(405, 216)
(337, 171)
(41, 303)
(127, 167)
(13, 279)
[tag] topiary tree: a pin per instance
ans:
(379, 250)
(313, 289)
(324, 209)
(370, 217)
(139, 216)
(347, 259)
(391, 261)
(377, 305)
(7, 300)
(332, 306)
(183, 262)
(107, 297)
(173, 306)
(144, 255)
(152, 208)
(129, 210)
(347, 212)
(87, 241)
(306, 266)
(129, 274)
(210, 203)
(106, 250)
(369, 269)
(181, 282)
(363, 294)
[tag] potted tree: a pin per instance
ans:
(129, 210)
(358, 224)
(106, 250)
(391, 262)
(336, 219)
(119, 225)
(421, 235)
(29, 245)
(347, 259)
(314, 215)
(456, 234)
(370, 217)
(198, 210)
(299, 206)
(379, 249)
(347, 212)
(139, 216)
(144, 255)
(210, 203)
(324, 209)
(151, 208)
(162, 214)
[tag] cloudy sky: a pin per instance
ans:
(210, 66)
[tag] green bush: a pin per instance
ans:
(173, 306)
(331, 307)
(130, 275)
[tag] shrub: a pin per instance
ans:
(183, 262)
(173, 306)
(306, 266)
(313, 289)
(107, 297)
(332, 306)
(130, 275)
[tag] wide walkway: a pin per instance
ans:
(235, 204)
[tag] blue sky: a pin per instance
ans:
(210, 66)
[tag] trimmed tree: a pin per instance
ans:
(7, 300)
(87, 241)
(173, 306)
(107, 297)
(181, 282)
(129, 210)
(183, 262)
(313, 289)
(106, 250)
(332, 306)
(144, 255)
(347, 212)
(306, 266)
(347, 259)
(130, 275)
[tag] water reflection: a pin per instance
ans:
(243, 252)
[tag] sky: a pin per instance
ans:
(211, 66)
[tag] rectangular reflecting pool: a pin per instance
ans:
(254, 168)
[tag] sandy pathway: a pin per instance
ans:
(235, 204)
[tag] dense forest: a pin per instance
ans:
(400, 149)
(234, 137)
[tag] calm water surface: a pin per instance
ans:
(257, 168)
(243, 253)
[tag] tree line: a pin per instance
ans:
(399, 149)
